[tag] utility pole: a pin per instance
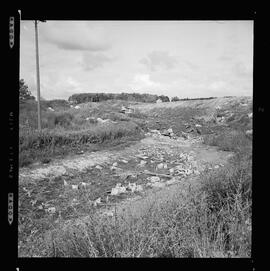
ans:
(38, 77)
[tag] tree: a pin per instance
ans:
(164, 98)
(175, 99)
(24, 92)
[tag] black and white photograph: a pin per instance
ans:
(135, 138)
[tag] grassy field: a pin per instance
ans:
(213, 220)
(67, 130)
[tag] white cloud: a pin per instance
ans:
(91, 61)
(159, 59)
(76, 36)
(143, 82)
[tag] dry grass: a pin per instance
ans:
(211, 221)
(35, 145)
(68, 129)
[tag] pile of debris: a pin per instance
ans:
(156, 133)
(99, 120)
(131, 187)
(126, 110)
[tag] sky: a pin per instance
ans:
(174, 58)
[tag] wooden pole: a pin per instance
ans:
(38, 78)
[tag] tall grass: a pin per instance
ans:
(34, 145)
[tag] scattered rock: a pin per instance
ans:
(165, 166)
(74, 186)
(97, 201)
(160, 166)
(77, 107)
(99, 167)
(139, 188)
(250, 115)
(198, 125)
(82, 184)
(118, 189)
(216, 166)
(154, 179)
(249, 132)
(171, 170)
(142, 163)
(109, 213)
(33, 202)
(99, 120)
(131, 187)
(124, 161)
(65, 183)
(51, 210)
(115, 164)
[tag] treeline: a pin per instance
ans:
(175, 99)
(99, 97)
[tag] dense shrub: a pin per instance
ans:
(99, 97)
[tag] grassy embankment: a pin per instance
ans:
(66, 130)
(212, 221)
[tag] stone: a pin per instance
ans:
(114, 191)
(171, 170)
(84, 184)
(115, 164)
(250, 115)
(118, 190)
(172, 181)
(51, 109)
(109, 213)
(99, 167)
(139, 188)
(51, 210)
(142, 163)
(160, 166)
(249, 132)
(74, 186)
(132, 187)
(165, 166)
(124, 161)
(154, 179)
(198, 125)
(97, 201)
(216, 166)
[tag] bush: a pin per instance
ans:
(175, 99)
(59, 119)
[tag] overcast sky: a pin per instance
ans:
(174, 58)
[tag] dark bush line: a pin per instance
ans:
(99, 97)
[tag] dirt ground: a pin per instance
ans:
(71, 188)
